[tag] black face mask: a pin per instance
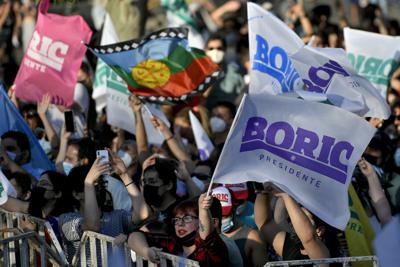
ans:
(187, 240)
(37, 201)
(150, 193)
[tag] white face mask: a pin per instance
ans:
(125, 157)
(11, 155)
(217, 124)
(45, 145)
(67, 167)
(216, 55)
(227, 224)
(397, 157)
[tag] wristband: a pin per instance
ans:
(129, 184)
(169, 138)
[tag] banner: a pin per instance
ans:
(203, 142)
(11, 120)
(53, 58)
(359, 233)
(103, 72)
(308, 149)
(328, 71)
(271, 42)
(374, 56)
(120, 114)
(161, 67)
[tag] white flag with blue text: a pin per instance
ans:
(271, 42)
(203, 142)
(328, 71)
(308, 149)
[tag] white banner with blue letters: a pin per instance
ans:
(308, 149)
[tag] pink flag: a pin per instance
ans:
(53, 58)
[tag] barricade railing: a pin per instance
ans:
(98, 250)
(26, 249)
(345, 261)
(12, 220)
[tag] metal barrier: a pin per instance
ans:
(97, 249)
(345, 261)
(26, 249)
(12, 220)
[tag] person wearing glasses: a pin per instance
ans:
(193, 236)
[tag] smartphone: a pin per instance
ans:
(69, 121)
(103, 154)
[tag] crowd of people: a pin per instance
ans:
(154, 197)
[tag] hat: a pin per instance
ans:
(225, 198)
(239, 191)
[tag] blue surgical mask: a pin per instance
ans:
(67, 167)
(227, 224)
(125, 157)
(12, 155)
(45, 145)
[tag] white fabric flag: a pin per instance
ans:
(271, 42)
(328, 71)
(6, 189)
(374, 56)
(203, 142)
(120, 114)
(308, 149)
(103, 71)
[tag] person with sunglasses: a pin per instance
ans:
(193, 236)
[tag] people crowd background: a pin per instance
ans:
(153, 197)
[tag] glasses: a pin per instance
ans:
(184, 219)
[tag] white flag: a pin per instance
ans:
(271, 42)
(120, 114)
(328, 71)
(203, 142)
(374, 56)
(103, 71)
(6, 189)
(308, 149)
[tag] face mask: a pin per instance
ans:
(187, 240)
(397, 157)
(241, 209)
(216, 55)
(217, 124)
(45, 145)
(12, 155)
(67, 167)
(227, 224)
(150, 194)
(125, 157)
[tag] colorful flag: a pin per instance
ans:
(359, 233)
(11, 120)
(6, 189)
(374, 56)
(203, 142)
(329, 72)
(270, 46)
(53, 58)
(160, 67)
(103, 71)
(308, 149)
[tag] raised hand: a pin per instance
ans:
(96, 171)
(43, 105)
(135, 103)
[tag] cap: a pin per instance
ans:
(225, 198)
(239, 191)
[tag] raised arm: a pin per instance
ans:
(92, 211)
(141, 137)
(183, 174)
(205, 220)
(42, 108)
(62, 150)
(377, 194)
(172, 143)
(140, 210)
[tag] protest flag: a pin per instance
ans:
(364, 50)
(203, 142)
(103, 71)
(161, 67)
(53, 58)
(359, 233)
(308, 149)
(328, 71)
(11, 120)
(6, 189)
